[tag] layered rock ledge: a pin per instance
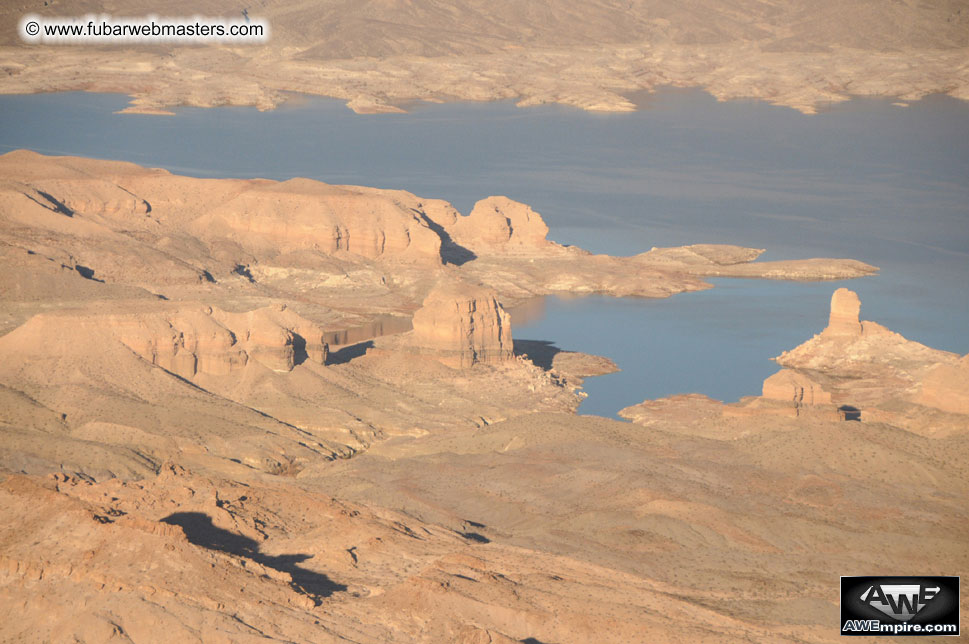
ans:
(363, 249)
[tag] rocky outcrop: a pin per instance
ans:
(853, 370)
(854, 353)
(187, 342)
(463, 325)
(791, 386)
(723, 260)
(276, 337)
(303, 214)
(867, 372)
(844, 317)
(124, 225)
(215, 342)
(499, 225)
(946, 387)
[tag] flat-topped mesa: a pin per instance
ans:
(303, 214)
(499, 225)
(105, 202)
(462, 325)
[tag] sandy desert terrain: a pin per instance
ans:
(216, 428)
(378, 55)
(244, 410)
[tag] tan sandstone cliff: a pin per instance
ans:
(463, 325)
(333, 247)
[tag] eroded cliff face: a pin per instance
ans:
(301, 214)
(186, 342)
(462, 325)
(791, 386)
(265, 218)
(334, 246)
(946, 387)
(499, 225)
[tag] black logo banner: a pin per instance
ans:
(895, 606)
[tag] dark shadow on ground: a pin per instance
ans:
(55, 205)
(244, 272)
(849, 412)
(474, 536)
(348, 353)
(299, 350)
(86, 273)
(200, 531)
(540, 352)
(451, 251)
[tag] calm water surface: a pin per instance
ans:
(868, 180)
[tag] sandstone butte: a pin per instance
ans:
(187, 454)
(600, 56)
(462, 325)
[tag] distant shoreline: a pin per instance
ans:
(613, 79)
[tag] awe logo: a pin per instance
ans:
(901, 601)
(899, 606)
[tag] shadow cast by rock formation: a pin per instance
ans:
(540, 352)
(849, 412)
(348, 353)
(200, 530)
(243, 271)
(55, 204)
(87, 273)
(299, 350)
(451, 251)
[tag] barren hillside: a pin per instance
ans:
(380, 54)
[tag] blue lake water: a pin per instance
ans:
(865, 179)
